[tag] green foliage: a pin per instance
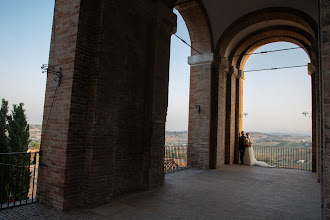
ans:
(18, 130)
(35, 145)
(14, 137)
(3, 127)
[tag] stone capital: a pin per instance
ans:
(311, 69)
(201, 59)
(234, 72)
(241, 75)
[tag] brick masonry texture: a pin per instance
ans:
(105, 134)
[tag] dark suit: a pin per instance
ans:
(241, 147)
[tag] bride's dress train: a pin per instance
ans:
(250, 160)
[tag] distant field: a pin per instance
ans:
(176, 138)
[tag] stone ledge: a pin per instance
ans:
(201, 59)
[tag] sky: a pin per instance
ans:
(24, 46)
(273, 100)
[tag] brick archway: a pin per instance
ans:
(246, 35)
(199, 128)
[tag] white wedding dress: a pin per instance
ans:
(249, 158)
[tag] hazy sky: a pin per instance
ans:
(24, 46)
(273, 100)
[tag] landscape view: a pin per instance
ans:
(285, 150)
(179, 138)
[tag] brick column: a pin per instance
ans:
(153, 158)
(311, 72)
(325, 106)
(106, 132)
(239, 112)
(316, 160)
(230, 116)
(223, 72)
(60, 159)
(199, 110)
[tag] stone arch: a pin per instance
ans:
(199, 125)
(246, 35)
(198, 24)
(266, 18)
(265, 36)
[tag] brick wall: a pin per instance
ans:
(105, 136)
(54, 146)
(199, 122)
(325, 78)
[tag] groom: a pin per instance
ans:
(241, 146)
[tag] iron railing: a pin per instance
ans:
(175, 158)
(285, 157)
(18, 179)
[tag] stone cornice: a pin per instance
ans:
(311, 69)
(233, 71)
(241, 75)
(201, 59)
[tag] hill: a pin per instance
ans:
(176, 138)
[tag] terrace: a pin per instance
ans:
(233, 192)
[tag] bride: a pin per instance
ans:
(249, 158)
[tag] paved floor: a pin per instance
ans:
(234, 192)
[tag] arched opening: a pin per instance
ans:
(273, 103)
(176, 130)
(243, 37)
(200, 103)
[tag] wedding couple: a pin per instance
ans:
(246, 152)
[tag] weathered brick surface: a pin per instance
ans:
(106, 133)
(199, 128)
(325, 57)
(221, 132)
(230, 139)
(52, 188)
(198, 26)
(199, 123)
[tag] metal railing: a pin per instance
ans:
(175, 158)
(18, 179)
(299, 158)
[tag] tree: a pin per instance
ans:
(18, 130)
(3, 127)
(18, 141)
(4, 148)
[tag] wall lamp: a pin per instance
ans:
(198, 107)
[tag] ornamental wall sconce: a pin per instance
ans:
(51, 69)
(198, 107)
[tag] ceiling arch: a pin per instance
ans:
(266, 26)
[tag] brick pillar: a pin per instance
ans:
(199, 110)
(153, 159)
(223, 72)
(311, 72)
(106, 132)
(325, 107)
(316, 162)
(60, 158)
(230, 116)
(238, 112)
